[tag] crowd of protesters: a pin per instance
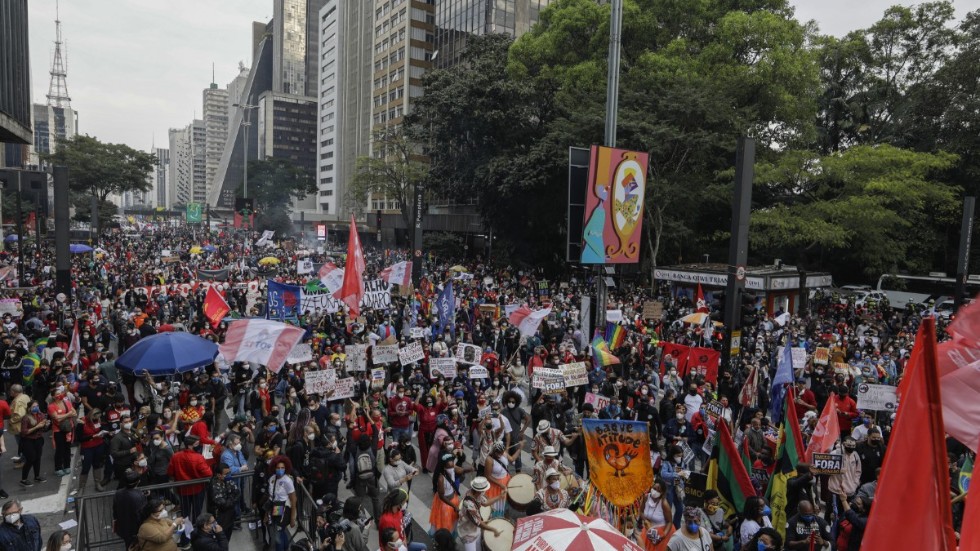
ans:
(263, 441)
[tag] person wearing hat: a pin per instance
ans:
(551, 495)
(549, 460)
(471, 524)
(545, 435)
(692, 536)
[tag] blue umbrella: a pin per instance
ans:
(210, 248)
(77, 248)
(11, 237)
(168, 354)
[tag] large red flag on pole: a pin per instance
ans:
(215, 306)
(916, 469)
(827, 432)
(352, 290)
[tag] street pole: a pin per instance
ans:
(62, 255)
(963, 259)
(612, 110)
(738, 248)
(20, 235)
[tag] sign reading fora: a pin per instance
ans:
(827, 463)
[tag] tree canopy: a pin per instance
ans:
(274, 183)
(102, 169)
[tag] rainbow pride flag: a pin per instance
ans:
(600, 353)
(615, 335)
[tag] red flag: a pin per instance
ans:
(352, 290)
(703, 361)
(701, 305)
(679, 352)
(826, 432)
(215, 307)
(75, 347)
(915, 469)
(750, 390)
(970, 534)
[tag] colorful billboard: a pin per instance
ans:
(614, 206)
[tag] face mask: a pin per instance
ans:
(292, 394)
(693, 527)
(127, 426)
(263, 385)
(554, 485)
(271, 428)
(193, 403)
(679, 416)
(237, 447)
(678, 459)
(162, 514)
(711, 509)
(655, 494)
(66, 547)
(337, 423)
(692, 392)
(35, 409)
(806, 518)
(310, 436)
(59, 390)
(141, 463)
(766, 511)
(157, 441)
(12, 518)
(280, 472)
(762, 546)
(644, 392)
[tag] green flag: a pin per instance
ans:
(193, 213)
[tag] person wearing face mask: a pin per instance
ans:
(852, 527)
(60, 540)
(755, 515)
(62, 414)
(127, 507)
(19, 532)
(223, 497)
(444, 512)
(847, 482)
(674, 473)
(672, 380)
(260, 400)
(281, 506)
(691, 536)
(397, 474)
(209, 534)
(766, 539)
(471, 523)
(91, 438)
(32, 428)
(518, 420)
(872, 454)
(804, 523)
(123, 447)
(400, 409)
(156, 532)
(552, 496)
(678, 430)
(713, 519)
(693, 401)
(395, 505)
(847, 410)
(428, 409)
(189, 464)
(656, 526)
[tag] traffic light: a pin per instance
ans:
(717, 306)
(748, 308)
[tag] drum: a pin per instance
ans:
(570, 481)
(486, 512)
(520, 491)
(504, 541)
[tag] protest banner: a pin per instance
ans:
(344, 388)
(384, 353)
(544, 375)
(827, 463)
(320, 382)
(821, 356)
(378, 374)
(477, 372)
(411, 353)
(356, 359)
(377, 296)
(442, 366)
(575, 374)
(468, 353)
(299, 354)
(877, 397)
(619, 459)
(598, 401)
(799, 356)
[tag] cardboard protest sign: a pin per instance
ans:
(442, 366)
(653, 310)
(299, 354)
(319, 382)
(827, 463)
(598, 401)
(356, 359)
(384, 353)
(411, 353)
(714, 409)
(416, 333)
(821, 356)
(477, 372)
(799, 356)
(344, 388)
(575, 374)
(877, 397)
(378, 374)
(468, 353)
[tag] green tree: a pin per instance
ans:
(102, 169)
(870, 209)
(273, 184)
(393, 172)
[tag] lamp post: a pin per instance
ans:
(246, 122)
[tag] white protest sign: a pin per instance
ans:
(575, 374)
(299, 354)
(468, 353)
(319, 382)
(598, 401)
(442, 366)
(614, 316)
(411, 353)
(356, 359)
(385, 353)
(877, 397)
(378, 374)
(377, 296)
(344, 388)
(416, 333)
(799, 356)
(477, 372)
(11, 306)
(304, 266)
(547, 379)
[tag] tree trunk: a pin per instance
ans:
(653, 241)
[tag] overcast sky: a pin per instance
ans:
(137, 68)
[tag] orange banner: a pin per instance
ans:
(619, 459)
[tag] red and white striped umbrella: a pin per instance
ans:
(561, 529)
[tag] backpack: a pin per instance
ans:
(365, 466)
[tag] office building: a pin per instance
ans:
(15, 75)
(199, 143)
(160, 177)
(344, 99)
(188, 182)
(236, 90)
(215, 115)
(295, 24)
(457, 20)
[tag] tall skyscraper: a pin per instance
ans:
(295, 46)
(188, 171)
(457, 20)
(216, 129)
(15, 66)
(160, 177)
(55, 120)
(236, 90)
(199, 144)
(346, 57)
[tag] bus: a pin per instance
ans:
(902, 289)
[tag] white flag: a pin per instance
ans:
(527, 321)
(304, 266)
(398, 274)
(331, 277)
(266, 238)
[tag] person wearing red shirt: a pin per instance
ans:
(805, 400)
(400, 409)
(428, 410)
(62, 414)
(189, 464)
(393, 516)
(537, 360)
(847, 410)
(92, 443)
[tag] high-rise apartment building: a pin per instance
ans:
(457, 20)
(216, 129)
(188, 171)
(159, 177)
(344, 100)
(199, 143)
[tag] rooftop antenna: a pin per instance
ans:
(58, 89)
